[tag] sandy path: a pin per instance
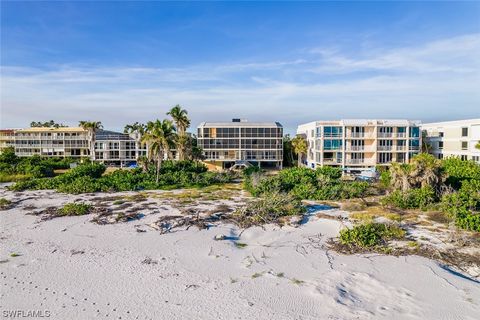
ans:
(114, 272)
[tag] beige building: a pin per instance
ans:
(111, 148)
(7, 139)
(454, 138)
(225, 144)
(55, 142)
(358, 144)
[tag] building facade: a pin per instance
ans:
(227, 143)
(52, 142)
(357, 144)
(454, 138)
(7, 138)
(111, 148)
(119, 149)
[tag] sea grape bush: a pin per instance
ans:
(370, 235)
(13, 167)
(323, 183)
(87, 178)
(420, 198)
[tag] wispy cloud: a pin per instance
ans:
(437, 80)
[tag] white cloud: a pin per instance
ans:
(438, 80)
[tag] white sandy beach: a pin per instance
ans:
(80, 270)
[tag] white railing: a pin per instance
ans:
(385, 134)
(384, 148)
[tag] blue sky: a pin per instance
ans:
(292, 62)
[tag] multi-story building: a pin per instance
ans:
(454, 138)
(114, 148)
(357, 144)
(55, 142)
(7, 139)
(111, 148)
(227, 143)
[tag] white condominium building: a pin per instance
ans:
(454, 138)
(52, 142)
(111, 148)
(227, 143)
(358, 144)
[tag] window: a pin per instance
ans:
(440, 156)
(440, 134)
(440, 144)
(332, 144)
(464, 132)
(414, 132)
(464, 157)
(464, 145)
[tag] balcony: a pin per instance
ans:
(332, 161)
(384, 148)
(401, 135)
(360, 135)
(385, 135)
(401, 148)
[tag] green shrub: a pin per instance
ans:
(385, 179)
(370, 235)
(463, 206)
(419, 198)
(5, 204)
(75, 209)
(87, 178)
(321, 184)
(458, 170)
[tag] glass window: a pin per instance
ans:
(464, 145)
(464, 132)
(414, 132)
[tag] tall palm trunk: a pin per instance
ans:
(299, 160)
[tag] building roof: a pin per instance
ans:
(111, 135)
(453, 123)
(240, 124)
(47, 129)
(364, 122)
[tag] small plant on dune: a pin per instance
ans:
(269, 209)
(75, 209)
(370, 235)
(5, 204)
(240, 245)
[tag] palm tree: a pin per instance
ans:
(424, 170)
(300, 147)
(159, 137)
(91, 127)
(180, 117)
(136, 127)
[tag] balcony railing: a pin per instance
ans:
(401, 134)
(332, 161)
(384, 148)
(385, 134)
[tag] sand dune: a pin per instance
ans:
(76, 269)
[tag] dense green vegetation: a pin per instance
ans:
(451, 184)
(324, 183)
(370, 235)
(14, 168)
(90, 178)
